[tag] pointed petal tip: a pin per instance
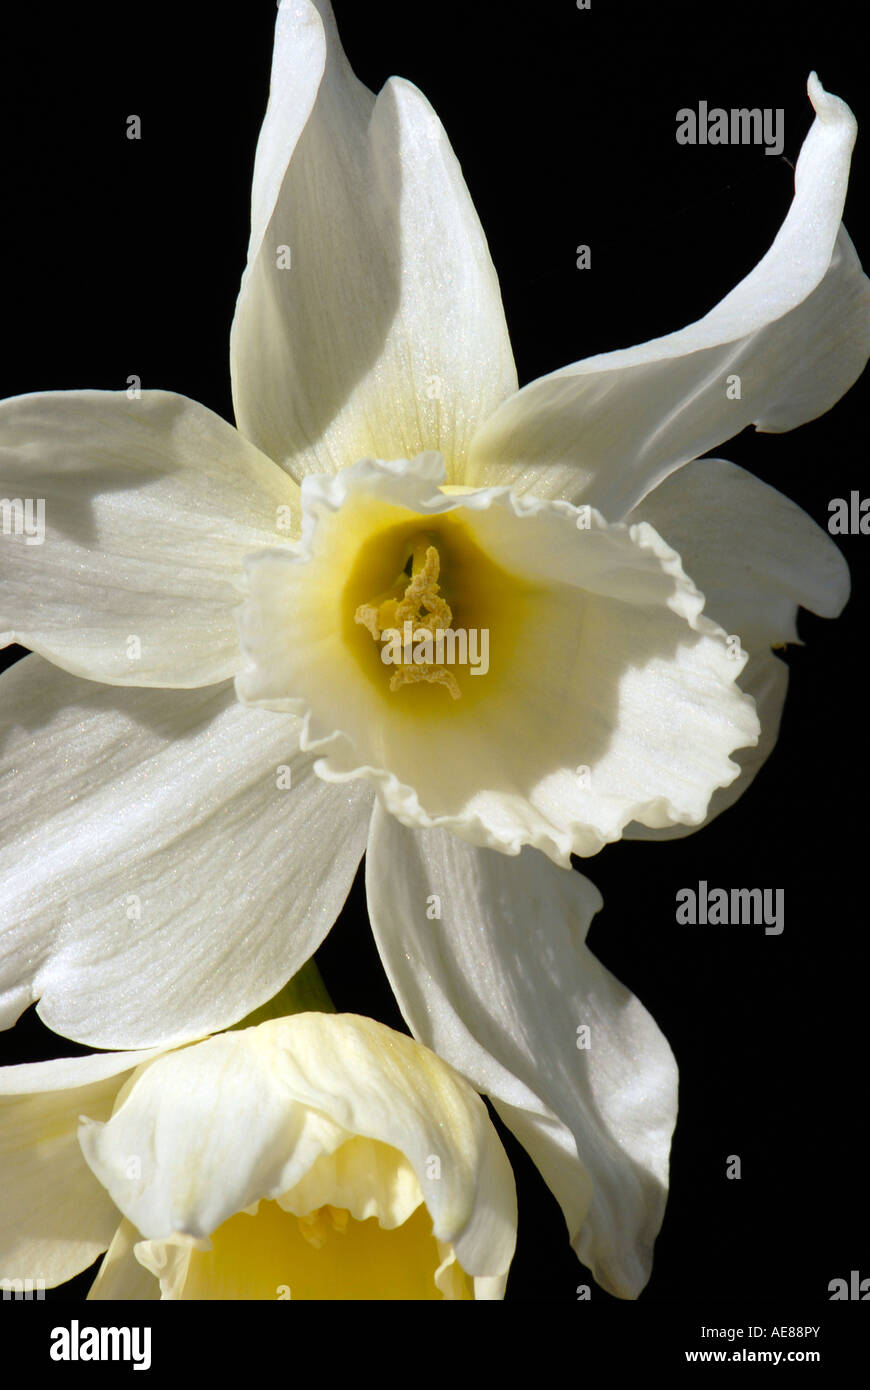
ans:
(827, 106)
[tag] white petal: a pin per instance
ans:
(158, 881)
(600, 659)
(244, 1116)
(386, 334)
(796, 331)
(149, 508)
(121, 1276)
(55, 1218)
(499, 984)
(755, 555)
(298, 61)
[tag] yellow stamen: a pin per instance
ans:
(418, 602)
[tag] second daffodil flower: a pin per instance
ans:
(321, 1156)
(386, 475)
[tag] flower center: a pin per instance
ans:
(423, 609)
(413, 621)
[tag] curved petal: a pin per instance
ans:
(755, 555)
(298, 61)
(245, 1116)
(121, 1276)
(588, 627)
(369, 319)
(796, 331)
(160, 877)
(492, 973)
(150, 506)
(55, 1218)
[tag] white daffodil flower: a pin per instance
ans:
(245, 592)
(321, 1156)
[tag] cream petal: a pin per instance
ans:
(160, 878)
(369, 318)
(150, 506)
(796, 331)
(244, 1116)
(362, 1176)
(487, 959)
(121, 1276)
(55, 1218)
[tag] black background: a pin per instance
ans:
(123, 257)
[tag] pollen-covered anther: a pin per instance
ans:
(418, 603)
